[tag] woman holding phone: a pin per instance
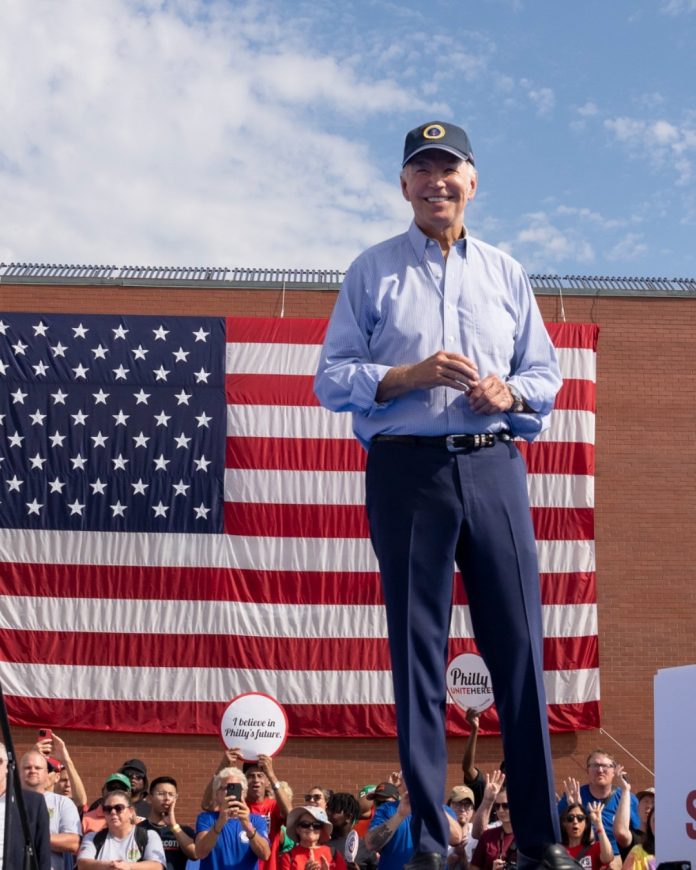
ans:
(231, 838)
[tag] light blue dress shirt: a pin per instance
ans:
(402, 301)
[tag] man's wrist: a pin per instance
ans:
(275, 786)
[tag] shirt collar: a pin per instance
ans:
(419, 241)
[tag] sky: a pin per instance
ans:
(269, 134)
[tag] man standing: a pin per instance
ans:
(64, 821)
(12, 853)
(437, 348)
(177, 840)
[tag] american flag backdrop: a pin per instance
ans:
(180, 522)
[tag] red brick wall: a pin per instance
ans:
(646, 546)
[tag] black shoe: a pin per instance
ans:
(554, 857)
(425, 861)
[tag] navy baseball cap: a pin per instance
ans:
(437, 134)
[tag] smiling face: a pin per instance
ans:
(308, 830)
(438, 185)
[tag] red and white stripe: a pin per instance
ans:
(156, 632)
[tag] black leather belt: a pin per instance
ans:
(453, 443)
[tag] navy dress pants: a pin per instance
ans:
(428, 509)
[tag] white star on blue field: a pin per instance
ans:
(269, 134)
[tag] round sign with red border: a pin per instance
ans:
(469, 682)
(254, 723)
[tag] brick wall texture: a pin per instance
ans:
(646, 545)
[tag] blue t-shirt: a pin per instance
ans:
(232, 849)
(399, 850)
(611, 804)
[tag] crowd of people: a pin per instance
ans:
(251, 820)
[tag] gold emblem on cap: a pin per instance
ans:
(433, 131)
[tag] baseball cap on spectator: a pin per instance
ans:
(461, 793)
(366, 791)
(54, 766)
(117, 782)
(133, 764)
(645, 792)
(384, 791)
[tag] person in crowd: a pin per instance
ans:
(496, 848)
(67, 781)
(342, 811)
(136, 772)
(12, 853)
(121, 843)
(461, 802)
(601, 768)
(625, 834)
(178, 841)
(390, 834)
(261, 779)
(311, 830)
(485, 816)
(437, 347)
(94, 819)
(642, 855)
(231, 838)
(317, 796)
(64, 821)
(367, 809)
(473, 777)
(577, 828)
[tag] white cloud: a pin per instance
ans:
(631, 247)
(135, 131)
(658, 141)
(542, 98)
(543, 246)
(678, 7)
(588, 109)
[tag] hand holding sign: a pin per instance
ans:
(256, 726)
(469, 682)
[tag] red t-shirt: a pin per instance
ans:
(269, 809)
(494, 843)
(297, 857)
(590, 859)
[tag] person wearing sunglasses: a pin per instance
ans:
(318, 797)
(231, 837)
(121, 844)
(590, 851)
(600, 786)
(496, 850)
(310, 828)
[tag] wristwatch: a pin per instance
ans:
(517, 401)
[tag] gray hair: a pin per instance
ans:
(230, 773)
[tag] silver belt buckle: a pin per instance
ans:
(452, 446)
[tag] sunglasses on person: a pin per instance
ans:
(503, 805)
(307, 826)
(575, 817)
(114, 808)
(313, 797)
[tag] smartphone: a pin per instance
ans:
(674, 865)
(45, 733)
(234, 789)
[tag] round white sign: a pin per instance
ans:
(255, 724)
(469, 682)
